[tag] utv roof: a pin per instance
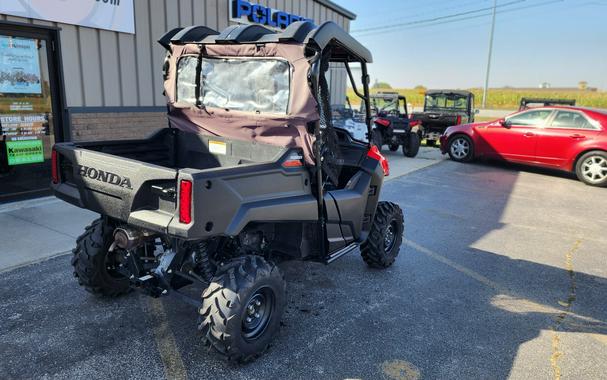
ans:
(456, 92)
(345, 47)
(386, 94)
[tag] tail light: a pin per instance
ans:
(293, 161)
(383, 122)
(413, 123)
(375, 154)
(459, 120)
(185, 201)
(54, 167)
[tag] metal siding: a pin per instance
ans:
(128, 72)
(310, 10)
(223, 13)
(157, 29)
(108, 47)
(71, 65)
(142, 48)
(91, 67)
(185, 13)
(199, 12)
(171, 9)
(211, 13)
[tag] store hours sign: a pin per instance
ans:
(251, 13)
(117, 15)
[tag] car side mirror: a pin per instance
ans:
(505, 123)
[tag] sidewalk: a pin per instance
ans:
(38, 229)
(35, 230)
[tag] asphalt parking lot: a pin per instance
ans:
(503, 274)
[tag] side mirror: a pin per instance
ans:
(505, 123)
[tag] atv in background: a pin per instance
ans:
(527, 103)
(442, 109)
(346, 118)
(250, 172)
(391, 124)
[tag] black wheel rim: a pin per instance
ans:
(257, 313)
(390, 236)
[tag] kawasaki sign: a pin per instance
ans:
(117, 15)
(243, 11)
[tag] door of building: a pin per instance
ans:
(30, 109)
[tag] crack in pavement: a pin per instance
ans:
(557, 353)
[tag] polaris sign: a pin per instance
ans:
(243, 11)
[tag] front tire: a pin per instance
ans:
(591, 168)
(411, 147)
(386, 235)
(93, 264)
(242, 308)
(460, 148)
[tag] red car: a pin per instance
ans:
(567, 138)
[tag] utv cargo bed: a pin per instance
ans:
(136, 181)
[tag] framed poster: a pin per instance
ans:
(19, 66)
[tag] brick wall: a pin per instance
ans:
(115, 126)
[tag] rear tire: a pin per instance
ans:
(411, 146)
(460, 148)
(386, 235)
(242, 308)
(591, 168)
(91, 262)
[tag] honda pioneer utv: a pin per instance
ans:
(392, 126)
(250, 171)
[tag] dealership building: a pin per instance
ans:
(73, 70)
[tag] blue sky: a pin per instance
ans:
(557, 41)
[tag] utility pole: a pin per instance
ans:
(489, 57)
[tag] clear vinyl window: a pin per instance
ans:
(245, 84)
(186, 79)
(242, 84)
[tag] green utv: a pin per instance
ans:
(250, 172)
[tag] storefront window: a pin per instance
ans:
(26, 117)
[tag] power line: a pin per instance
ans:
(433, 19)
(448, 21)
(431, 10)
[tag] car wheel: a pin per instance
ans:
(461, 148)
(591, 168)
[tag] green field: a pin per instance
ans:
(506, 98)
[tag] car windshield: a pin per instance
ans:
(241, 84)
(447, 101)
